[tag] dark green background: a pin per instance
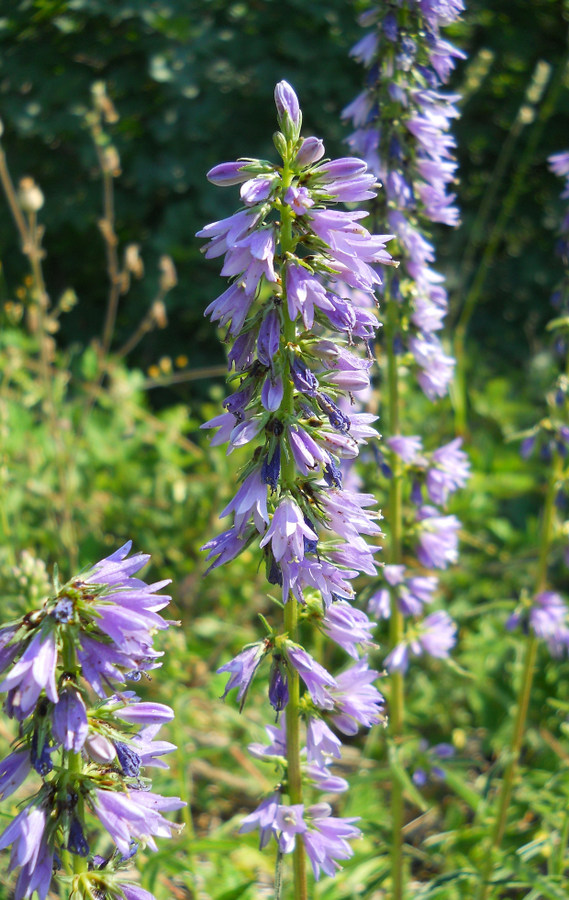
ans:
(192, 82)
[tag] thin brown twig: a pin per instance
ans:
(10, 194)
(184, 375)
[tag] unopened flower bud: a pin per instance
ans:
(168, 277)
(29, 195)
(100, 749)
(288, 110)
(226, 174)
(311, 150)
(103, 103)
(279, 141)
(133, 260)
(158, 313)
(111, 161)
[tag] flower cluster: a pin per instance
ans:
(402, 129)
(402, 121)
(64, 672)
(294, 262)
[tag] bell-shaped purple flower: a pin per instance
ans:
(25, 833)
(438, 538)
(69, 724)
(242, 669)
(263, 818)
(318, 681)
(321, 742)
(289, 822)
(269, 338)
(450, 471)
(356, 699)
(14, 770)
(34, 672)
(407, 448)
(326, 839)
(350, 628)
(287, 532)
(137, 816)
(278, 686)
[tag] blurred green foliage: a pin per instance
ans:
(192, 83)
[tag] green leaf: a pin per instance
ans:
(461, 789)
(402, 777)
(235, 893)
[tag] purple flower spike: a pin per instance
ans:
(294, 308)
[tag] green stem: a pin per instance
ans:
(558, 862)
(395, 518)
(524, 693)
(74, 761)
(294, 772)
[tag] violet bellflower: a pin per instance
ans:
(294, 262)
(64, 671)
(402, 130)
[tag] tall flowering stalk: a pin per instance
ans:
(293, 262)
(542, 615)
(402, 129)
(65, 669)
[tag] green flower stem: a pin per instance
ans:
(73, 761)
(524, 693)
(395, 519)
(294, 773)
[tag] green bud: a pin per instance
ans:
(280, 143)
